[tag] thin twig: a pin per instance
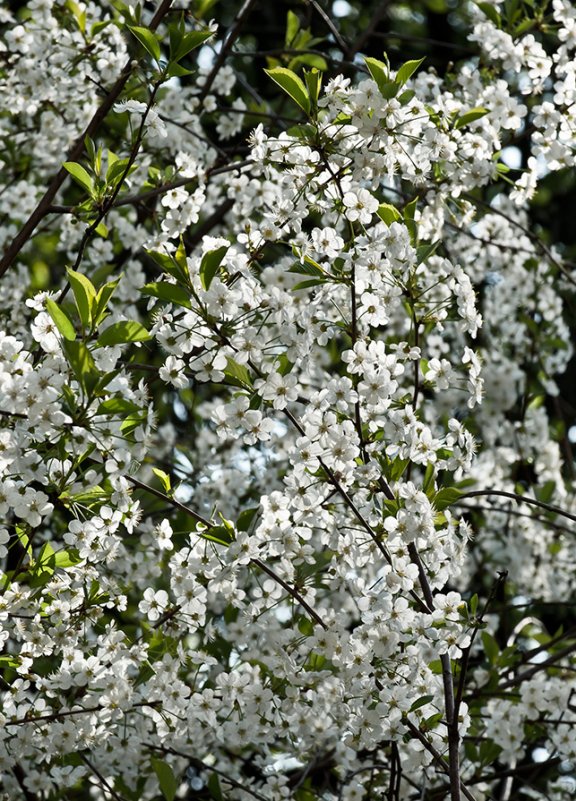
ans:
(502, 510)
(466, 652)
(527, 674)
(330, 25)
(520, 499)
(291, 591)
(141, 197)
(105, 784)
(201, 766)
(533, 237)
(438, 758)
(233, 34)
(172, 501)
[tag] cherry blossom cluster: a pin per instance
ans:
(264, 517)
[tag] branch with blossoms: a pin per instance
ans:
(243, 434)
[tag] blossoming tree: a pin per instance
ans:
(286, 499)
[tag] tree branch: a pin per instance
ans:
(74, 154)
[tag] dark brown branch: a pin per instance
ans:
(466, 652)
(448, 683)
(291, 591)
(172, 501)
(438, 758)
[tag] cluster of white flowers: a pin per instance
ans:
(241, 452)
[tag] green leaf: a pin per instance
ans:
(148, 41)
(164, 479)
(117, 406)
(292, 28)
(175, 70)
(309, 267)
(202, 7)
(190, 41)
(79, 14)
(144, 674)
(309, 60)
(409, 210)
(104, 380)
(445, 498)
(116, 169)
(545, 493)
(470, 116)
(421, 702)
(61, 320)
(102, 229)
(432, 721)
(437, 6)
(90, 149)
(237, 375)
(378, 70)
(397, 468)
(526, 25)
(406, 96)
(491, 12)
(100, 304)
(473, 605)
(210, 265)
(132, 422)
(292, 85)
(170, 266)
(491, 647)
(124, 331)
(429, 475)
(99, 26)
(311, 282)
(82, 364)
(425, 251)
(84, 295)
(89, 496)
(388, 213)
(313, 83)
(489, 752)
(284, 365)
(389, 90)
(9, 661)
(406, 71)
(409, 221)
(46, 555)
(166, 779)
(214, 788)
(246, 518)
(171, 293)
(80, 175)
(219, 534)
(66, 558)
